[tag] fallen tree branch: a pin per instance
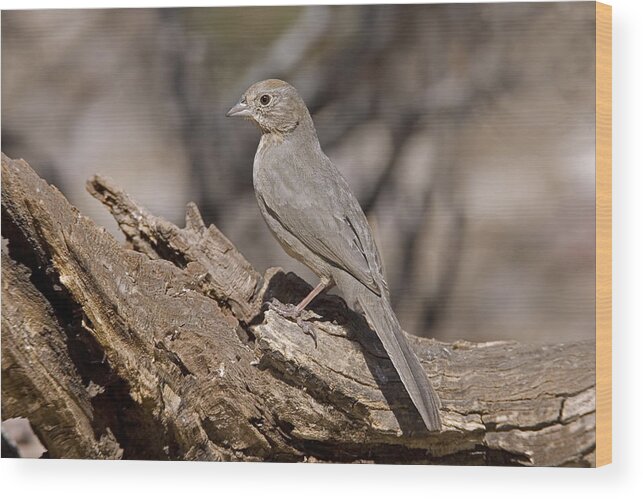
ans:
(169, 355)
(39, 377)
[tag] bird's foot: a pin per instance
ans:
(308, 329)
(286, 310)
(290, 311)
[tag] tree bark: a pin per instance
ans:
(163, 350)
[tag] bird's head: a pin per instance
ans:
(274, 105)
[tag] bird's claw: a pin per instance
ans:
(289, 311)
(308, 329)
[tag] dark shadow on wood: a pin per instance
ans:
(290, 288)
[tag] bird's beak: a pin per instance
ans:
(239, 109)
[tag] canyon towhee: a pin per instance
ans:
(312, 212)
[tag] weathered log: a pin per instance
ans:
(178, 359)
(39, 377)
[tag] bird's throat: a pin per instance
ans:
(270, 139)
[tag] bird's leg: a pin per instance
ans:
(290, 311)
(294, 312)
(323, 284)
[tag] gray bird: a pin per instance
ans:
(312, 212)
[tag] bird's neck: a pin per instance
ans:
(302, 131)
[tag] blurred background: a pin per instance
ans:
(466, 131)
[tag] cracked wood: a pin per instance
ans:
(185, 363)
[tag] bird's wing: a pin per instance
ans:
(330, 223)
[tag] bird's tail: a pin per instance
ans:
(382, 318)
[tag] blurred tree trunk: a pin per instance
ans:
(161, 350)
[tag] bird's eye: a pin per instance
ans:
(264, 99)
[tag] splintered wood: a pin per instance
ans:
(162, 350)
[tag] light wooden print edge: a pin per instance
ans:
(603, 234)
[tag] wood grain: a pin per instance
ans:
(45, 386)
(603, 234)
(162, 364)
